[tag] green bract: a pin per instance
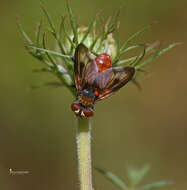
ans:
(134, 176)
(59, 60)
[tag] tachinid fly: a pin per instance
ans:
(95, 79)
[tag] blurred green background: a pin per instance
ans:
(37, 132)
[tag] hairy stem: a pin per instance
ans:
(84, 153)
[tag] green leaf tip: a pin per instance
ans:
(37, 33)
(156, 54)
(156, 185)
(51, 52)
(140, 57)
(122, 49)
(137, 84)
(47, 53)
(72, 23)
(135, 176)
(132, 37)
(63, 28)
(51, 24)
(113, 178)
(112, 23)
(90, 27)
(22, 32)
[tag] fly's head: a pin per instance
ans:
(83, 106)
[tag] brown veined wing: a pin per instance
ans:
(112, 79)
(84, 71)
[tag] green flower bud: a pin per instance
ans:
(107, 45)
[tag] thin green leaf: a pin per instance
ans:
(37, 55)
(88, 30)
(51, 52)
(157, 54)
(107, 24)
(113, 22)
(73, 24)
(148, 49)
(114, 60)
(94, 27)
(94, 53)
(133, 37)
(48, 55)
(65, 32)
(151, 46)
(94, 43)
(34, 54)
(51, 24)
(143, 70)
(140, 57)
(38, 29)
(110, 26)
(113, 178)
(28, 44)
(168, 48)
(156, 185)
(22, 32)
(136, 83)
(60, 46)
(124, 61)
(133, 47)
(135, 176)
(123, 47)
(61, 26)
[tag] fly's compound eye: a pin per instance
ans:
(75, 108)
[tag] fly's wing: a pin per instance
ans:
(113, 79)
(91, 73)
(83, 67)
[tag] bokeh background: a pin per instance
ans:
(132, 128)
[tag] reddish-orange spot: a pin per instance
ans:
(103, 62)
(96, 93)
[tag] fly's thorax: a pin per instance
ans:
(86, 98)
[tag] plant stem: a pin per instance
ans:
(84, 153)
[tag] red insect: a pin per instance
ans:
(95, 80)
